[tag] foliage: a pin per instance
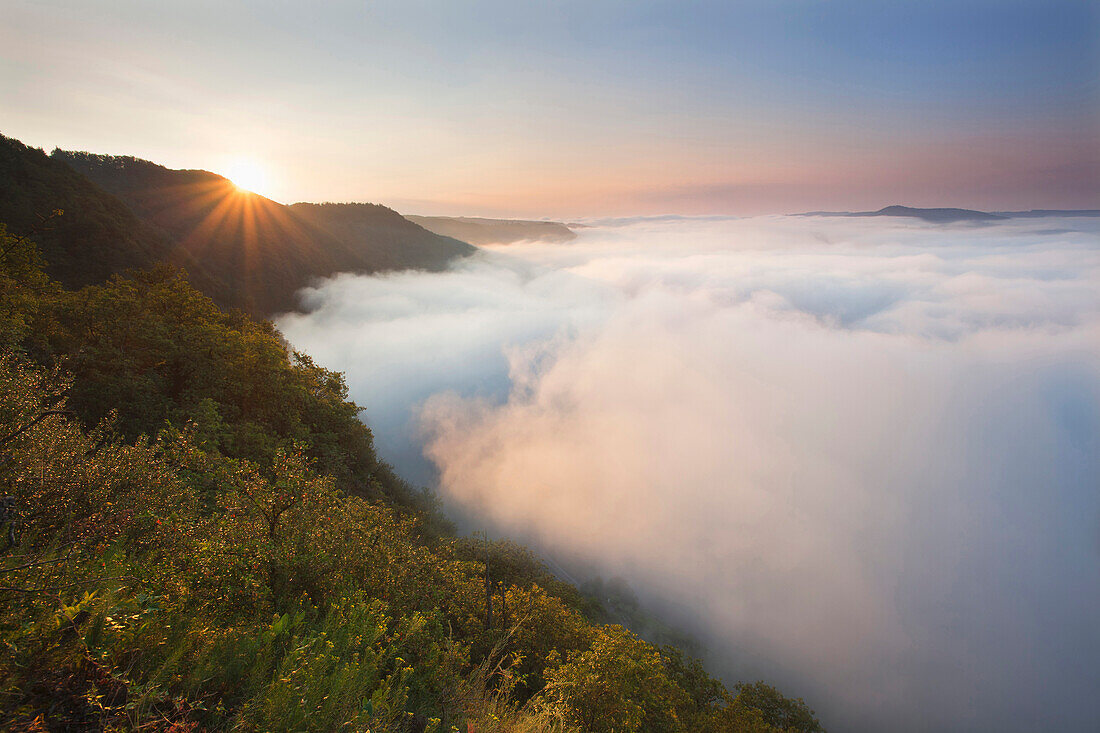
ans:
(617, 684)
(775, 710)
(98, 235)
(155, 351)
(24, 287)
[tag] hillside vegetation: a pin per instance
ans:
(240, 249)
(260, 252)
(198, 535)
(98, 237)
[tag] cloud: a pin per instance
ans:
(859, 458)
(402, 337)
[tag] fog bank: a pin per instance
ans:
(860, 458)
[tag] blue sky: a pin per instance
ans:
(579, 108)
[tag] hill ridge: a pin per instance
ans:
(255, 252)
(949, 215)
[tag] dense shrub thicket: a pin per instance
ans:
(199, 536)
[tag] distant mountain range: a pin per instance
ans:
(241, 249)
(495, 231)
(951, 216)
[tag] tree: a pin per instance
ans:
(779, 712)
(618, 684)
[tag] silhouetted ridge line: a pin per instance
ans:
(936, 216)
(242, 249)
(950, 216)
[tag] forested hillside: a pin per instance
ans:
(99, 235)
(198, 535)
(240, 249)
(260, 252)
(379, 235)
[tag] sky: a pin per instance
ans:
(568, 109)
(855, 457)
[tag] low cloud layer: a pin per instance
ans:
(858, 458)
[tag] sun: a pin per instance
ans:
(247, 175)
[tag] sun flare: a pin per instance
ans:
(247, 175)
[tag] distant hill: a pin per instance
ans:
(936, 216)
(951, 216)
(939, 216)
(253, 252)
(495, 231)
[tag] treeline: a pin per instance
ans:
(197, 535)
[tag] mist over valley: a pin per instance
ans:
(857, 456)
(568, 367)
